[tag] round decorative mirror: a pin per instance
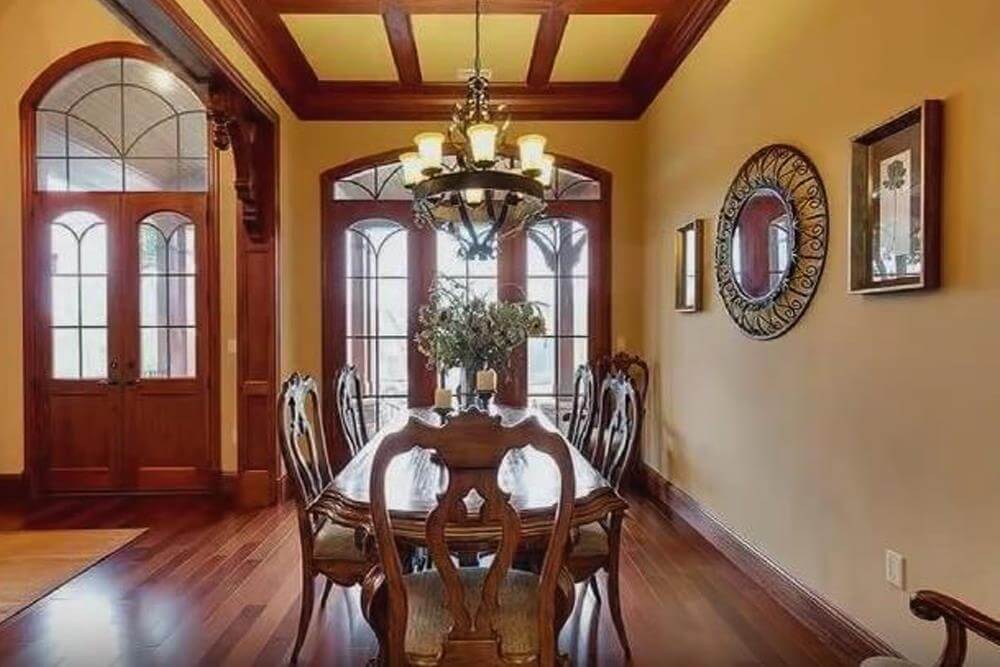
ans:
(772, 239)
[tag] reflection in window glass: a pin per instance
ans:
(377, 305)
(121, 124)
(167, 297)
(558, 270)
(477, 276)
(79, 284)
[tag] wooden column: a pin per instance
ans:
(253, 140)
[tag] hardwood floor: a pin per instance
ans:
(209, 586)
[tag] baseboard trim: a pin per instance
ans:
(837, 629)
(13, 485)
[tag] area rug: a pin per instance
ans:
(33, 563)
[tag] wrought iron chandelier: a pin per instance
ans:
(477, 201)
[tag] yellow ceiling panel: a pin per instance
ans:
(344, 47)
(446, 44)
(598, 47)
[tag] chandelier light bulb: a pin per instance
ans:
(430, 147)
(413, 168)
(483, 143)
(531, 148)
(474, 196)
(545, 177)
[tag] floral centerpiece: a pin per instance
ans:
(459, 330)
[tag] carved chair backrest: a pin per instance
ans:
(632, 365)
(471, 447)
(617, 427)
(581, 418)
(303, 440)
(350, 410)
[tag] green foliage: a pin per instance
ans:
(456, 330)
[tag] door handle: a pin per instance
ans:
(112, 379)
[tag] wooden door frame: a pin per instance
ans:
(32, 342)
(335, 216)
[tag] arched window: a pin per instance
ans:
(119, 291)
(121, 124)
(562, 262)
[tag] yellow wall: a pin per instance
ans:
(871, 425)
(612, 146)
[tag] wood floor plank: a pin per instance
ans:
(210, 586)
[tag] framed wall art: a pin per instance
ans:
(688, 243)
(896, 203)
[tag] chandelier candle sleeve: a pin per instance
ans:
(486, 380)
(548, 162)
(483, 143)
(430, 147)
(531, 148)
(412, 168)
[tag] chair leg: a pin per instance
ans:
(614, 594)
(305, 614)
(326, 593)
(592, 584)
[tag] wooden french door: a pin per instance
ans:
(122, 368)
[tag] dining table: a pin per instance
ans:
(414, 479)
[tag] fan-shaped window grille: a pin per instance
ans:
(121, 124)
(385, 183)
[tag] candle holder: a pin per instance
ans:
(485, 398)
(442, 413)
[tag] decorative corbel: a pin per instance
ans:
(235, 126)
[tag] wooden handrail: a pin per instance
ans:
(958, 617)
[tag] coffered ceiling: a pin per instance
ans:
(408, 59)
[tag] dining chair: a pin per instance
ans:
(492, 614)
(581, 416)
(597, 545)
(350, 410)
(636, 368)
(337, 552)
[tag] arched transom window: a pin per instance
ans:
(121, 124)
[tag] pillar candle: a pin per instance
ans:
(442, 398)
(486, 380)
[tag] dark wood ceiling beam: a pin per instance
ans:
(667, 42)
(386, 101)
(399, 30)
(265, 37)
(466, 7)
(547, 41)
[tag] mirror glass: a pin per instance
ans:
(762, 244)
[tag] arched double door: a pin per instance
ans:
(125, 368)
(378, 267)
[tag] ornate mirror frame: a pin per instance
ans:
(787, 172)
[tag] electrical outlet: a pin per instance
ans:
(894, 568)
(231, 346)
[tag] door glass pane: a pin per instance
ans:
(558, 280)
(78, 280)
(168, 303)
(377, 315)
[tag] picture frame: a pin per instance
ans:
(895, 203)
(688, 253)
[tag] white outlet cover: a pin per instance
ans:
(895, 565)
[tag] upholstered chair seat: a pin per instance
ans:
(429, 621)
(591, 541)
(336, 542)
